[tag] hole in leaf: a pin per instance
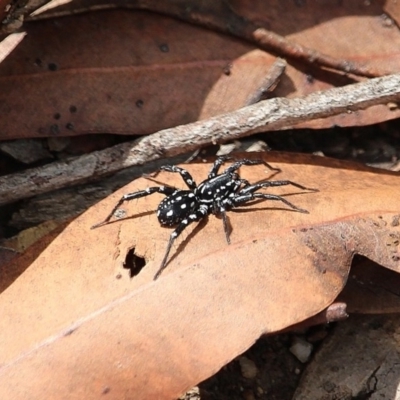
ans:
(134, 263)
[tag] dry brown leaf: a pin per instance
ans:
(74, 324)
(142, 72)
(139, 73)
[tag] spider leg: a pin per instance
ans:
(183, 173)
(256, 186)
(236, 165)
(167, 190)
(216, 166)
(197, 215)
(225, 223)
(219, 208)
(244, 198)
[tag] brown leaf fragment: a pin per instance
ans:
(62, 81)
(74, 323)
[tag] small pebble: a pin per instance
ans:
(248, 367)
(301, 349)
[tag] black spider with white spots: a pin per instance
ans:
(215, 195)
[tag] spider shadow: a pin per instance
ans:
(273, 173)
(242, 207)
(182, 245)
(243, 210)
(202, 223)
(152, 179)
(126, 218)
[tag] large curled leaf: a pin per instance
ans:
(74, 324)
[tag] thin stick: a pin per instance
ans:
(267, 115)
(270, 82)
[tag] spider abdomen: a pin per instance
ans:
(176, 207)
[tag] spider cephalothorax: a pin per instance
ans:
(215, 195)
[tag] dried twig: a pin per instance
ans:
(219, 16)
(270, 82)
(267, 115)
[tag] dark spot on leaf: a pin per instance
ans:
(70, 126)
(164, 48)
(139, 103)
(52, 67)
(57, 116)
(38, 62)
(134, 263)
(106, 390)
(72, 109)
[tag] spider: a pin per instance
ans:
(215, 195)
